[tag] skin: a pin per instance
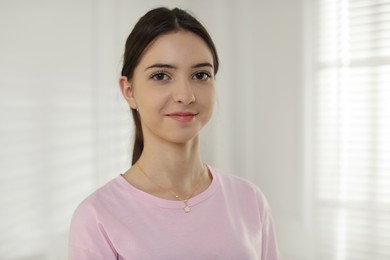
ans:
(173, 90)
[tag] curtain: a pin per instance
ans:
(351, 122)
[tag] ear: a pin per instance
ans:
(127, 91)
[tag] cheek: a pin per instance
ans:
(208, 97)
(152, 104)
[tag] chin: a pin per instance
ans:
(183, 138)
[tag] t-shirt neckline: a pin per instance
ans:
(165, 203)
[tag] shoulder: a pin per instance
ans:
(233, 181)
(98, 202)
(88, 238)
(95, 210)
(240, 188)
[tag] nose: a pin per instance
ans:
(183, 92)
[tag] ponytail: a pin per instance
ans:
(138, 137)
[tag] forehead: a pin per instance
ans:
(181, 48)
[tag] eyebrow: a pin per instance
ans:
(168, 66)
(200, 65)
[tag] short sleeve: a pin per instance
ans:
(87, 238)
(269, 244)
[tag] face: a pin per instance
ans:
(172, 88)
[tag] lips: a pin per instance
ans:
(184, 117)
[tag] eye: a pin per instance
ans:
(201, 75)
(159, 76)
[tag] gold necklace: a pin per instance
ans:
(186, 208)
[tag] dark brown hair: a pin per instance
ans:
(154, 23)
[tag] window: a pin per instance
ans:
(351, 127)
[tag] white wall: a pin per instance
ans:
(62, 60)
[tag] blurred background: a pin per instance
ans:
(303, 111)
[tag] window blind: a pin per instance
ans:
(352, 129)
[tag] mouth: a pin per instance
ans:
(184, 117)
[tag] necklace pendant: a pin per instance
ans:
(187, 209)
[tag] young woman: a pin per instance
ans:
(170, 204)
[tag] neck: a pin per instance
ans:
(173, 165)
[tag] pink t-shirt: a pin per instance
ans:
(229, 220)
